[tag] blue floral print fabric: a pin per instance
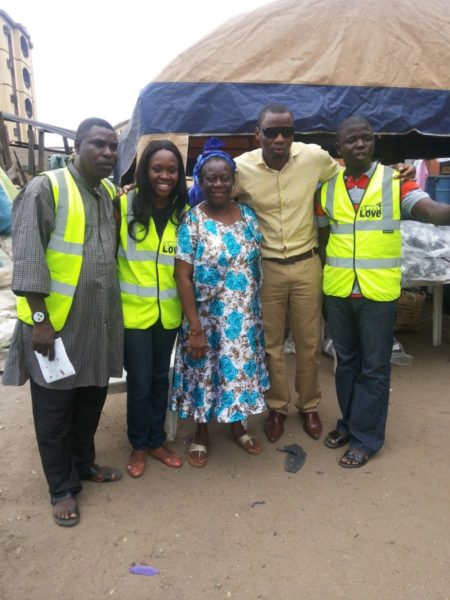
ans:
(228, 384)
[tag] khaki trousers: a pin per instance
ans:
(296, 291)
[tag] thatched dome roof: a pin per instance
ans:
(325, 59)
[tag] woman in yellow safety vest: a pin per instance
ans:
(150, 215)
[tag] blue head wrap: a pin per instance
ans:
(211, 149)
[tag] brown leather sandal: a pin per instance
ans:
(201, 452)
(249, 443)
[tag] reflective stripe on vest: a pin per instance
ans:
(364, 263)
(145, 268)
(64, 253)
(366, 244)
(365, 226)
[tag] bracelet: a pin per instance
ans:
(196, 332)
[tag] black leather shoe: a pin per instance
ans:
(274, 427)
(312, 424)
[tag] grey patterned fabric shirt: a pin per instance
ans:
(93, 332)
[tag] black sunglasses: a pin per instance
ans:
(273, 132)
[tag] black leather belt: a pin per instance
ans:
(290, 260)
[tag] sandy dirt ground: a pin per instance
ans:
(242, 527)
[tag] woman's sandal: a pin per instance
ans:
(102, 474)
(202, 455)
(353, 459)
(136, 463)
(335, 439)
(249, 443)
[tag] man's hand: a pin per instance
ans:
(405, 172)
(43, 339)
(127, 188)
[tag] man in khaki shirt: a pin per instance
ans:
(278, 181)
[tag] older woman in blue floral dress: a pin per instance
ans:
(219, 372)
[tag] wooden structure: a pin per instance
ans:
(9, 159)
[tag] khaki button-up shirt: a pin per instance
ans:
(284, 200)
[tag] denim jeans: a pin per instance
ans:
(147, 363)
(362, 333)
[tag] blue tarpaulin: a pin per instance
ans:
(324, 59)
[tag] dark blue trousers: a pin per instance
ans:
(362, 333)
(147, 363)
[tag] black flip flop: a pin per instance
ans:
(99, 474)
(335, 439)
(358, 457)
(71, 521)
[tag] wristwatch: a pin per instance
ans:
(39, 316)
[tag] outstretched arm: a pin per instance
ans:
(429, 211)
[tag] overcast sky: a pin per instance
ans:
(91, 58)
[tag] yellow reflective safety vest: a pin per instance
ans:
(145, 270)
(364, 244)
(64, 253)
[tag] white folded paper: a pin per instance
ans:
(58, 368)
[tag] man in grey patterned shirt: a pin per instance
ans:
(47, 217)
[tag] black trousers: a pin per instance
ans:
(65, 422)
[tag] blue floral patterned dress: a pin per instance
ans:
(227, 384)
